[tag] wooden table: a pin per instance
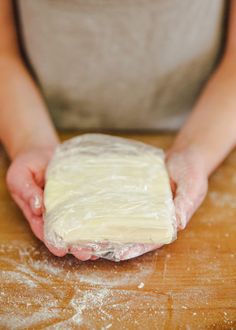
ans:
(189, 284)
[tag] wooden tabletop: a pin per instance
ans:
(189, 284)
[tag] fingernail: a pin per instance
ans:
(36, 202)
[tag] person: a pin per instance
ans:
(113, 65)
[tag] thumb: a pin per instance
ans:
(36, 223)
(26, 188)
(189, 196)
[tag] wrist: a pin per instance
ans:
(47, 144)
(193, 153)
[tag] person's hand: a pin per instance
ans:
(25, 181)
(189, 183)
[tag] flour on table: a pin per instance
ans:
(63, 293)
(223, 199)
(38, 275)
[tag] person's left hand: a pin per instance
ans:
(189, 182)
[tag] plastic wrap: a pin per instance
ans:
(109, 194)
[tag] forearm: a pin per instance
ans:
(24, 121)
(211, 128)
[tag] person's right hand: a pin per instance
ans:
(25, 181)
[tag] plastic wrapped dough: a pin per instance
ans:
(110, 194)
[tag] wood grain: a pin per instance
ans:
(190, 284)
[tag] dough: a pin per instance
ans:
(110, 191)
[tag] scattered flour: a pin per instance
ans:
(223, 199)
(141, 285)
(12, 276)
(70, 294)
(19, 321)
(44, 281)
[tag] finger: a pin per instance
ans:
(39, 178)
(173, 187)
(82, 254)
(188, 198)
(36, 223)
(94, 258)
(26, 188)
(137, 250)
(36, 202)
(59, 252)
(181, 210)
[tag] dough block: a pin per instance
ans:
(108, 193)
